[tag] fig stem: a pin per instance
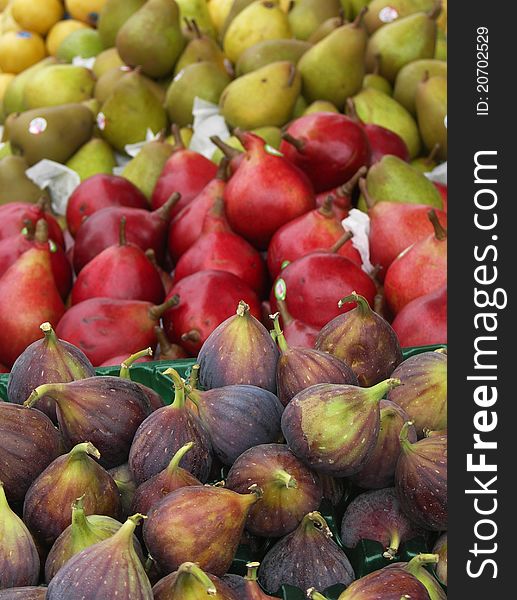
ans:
(403, 435)
(79, 450)
(440, 233)
(242, 308)
(279, 334)
(42, 390)
(194, 376)
(176, 459)
(341, 242)
(80, 525)
(362, 303)
(50, 334)
(156, 312)
(377, 392)
(314, 595)
(179, 388)
(4, 505)
(285, 479)
(124, 367)
(188, 568)
(122, 239)
(419, 561)
(314, 520)
(392, 549)
(296, 142)
(128, 528)
(252, 568)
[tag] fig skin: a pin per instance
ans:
(164, 432)
(421, 480)
(247, 588)
(126, 486)
(237, 418)
(24, 593)
(423, 395)
(29, 442)
(198, 523)
(49, 360)
(19, 560)
(104, 410)
(416, 567)
(109, 569)
(46, 510)
(363, 340)
(190, 581)
(440, 548)
(239, 351)
(333, 428)
(289, 489)
(306, 557)
(377, 516)
(379, 470)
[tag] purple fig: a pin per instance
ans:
(171, 478)
(333, 488)
(48, 360)
(83, 532)
(333, 428)
(190, 582)
(377, 516)
(103, 410)
(29, 442)
(239, 351)
(440, 548)
(299, 368)
(363, 340)
(19, 560)
(24, 593)
(126, 485)
(289, 489)
(379, 470)
(155, 400)
(46, 509)
(416, 567)
(421, 480)
(247, 587)
(198, 523)
(164, 432)
(237, 418)
(423, 395)
(109, 569)
(306, 557)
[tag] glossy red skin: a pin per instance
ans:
(421, 269)
(312, 231)
(443, 192)
(383, 141)
(186, 226)
(122, 272)
(207, 298)
(394, 226)
(100, 191)
(103, 328)
(266, 192)
(28, 298)
(315, 284)
(423, 321)
(14, 215)
(335, 148)
(299, 334)
(101, 230)
(186, 172)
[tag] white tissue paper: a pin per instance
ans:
(58, 179)
(79, 61)
(358, 223)
(438, 174)
(207, 122)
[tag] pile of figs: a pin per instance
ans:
(289, 456)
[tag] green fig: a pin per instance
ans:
(14, 184)
(382, 12)
(58, 84)
(96, 156)
(411, 75)
(269, 51)
(306, 16)
(431, 111)
(189, 581)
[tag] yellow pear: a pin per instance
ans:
(20, 50)
(86, 11)
(431, 110)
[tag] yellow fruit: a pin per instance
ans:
(86, 11)
(218, 10)
(5, 79)
(19, 50)
(7, 22)
(3, 4)
(37, 16)
(59, 32)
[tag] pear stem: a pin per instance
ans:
(358, 21)
(404, 435)
(164, 212)
(432, 155)
(124, 367)
(314, 595)
(156, 312)
(122, 239)
(195, 28)
(377, 63)
(392, 549)
(163, 340)
(188, 568)
(194, 376)
(326, 208)
(179, 388)
(419, 561)
(370, 202)
(362, 303)
(292, 75)
(41, 231)
(380, 389)
(252, 568)
(178, 141)
(285, 480)
(315, 520)
(243, 309)
(226, 149)
(50, 334)
(79, 450)
(297, 143)
(222, 169)
(435, 11)
(279, 334)
(176, 459)
(341, 242)
(439, 232)
(351, 111)
(347, 188)
(191, 336)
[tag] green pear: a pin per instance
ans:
(401, 42)
(14, 184)
(411, 75)
(84, 42)
(431, 111)
(5, 149)
(204, 80)
(320, 106)
(94, 157)
(426, 164)
(333, 69)
(440, 51)
(381, 12)
(107, 82)
(58, 84)
(237, 7)
(376, 107)
(394, 180)
(145, 168)
(106, 60)
(377, 81)
(112, 16)
(261, 20)
(197, 10)
(152, 39)
(325, 28)
(269, 51)
(13, 97)
(271, 135)
(264, 97)
(306, 16)
(299, 108)
(201, 48)
(52, 132)
(352, 8)
(129, 111)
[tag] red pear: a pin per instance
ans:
(165, 276)
(265, 192)
(341, 196)
(296, 332)
(186, 172)
(328, 147)
(220, 249)
(419, 270)
(122, 271)
(443, 192)
(15, 215)
(100, 191)
(143, 228)
(103, 327)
